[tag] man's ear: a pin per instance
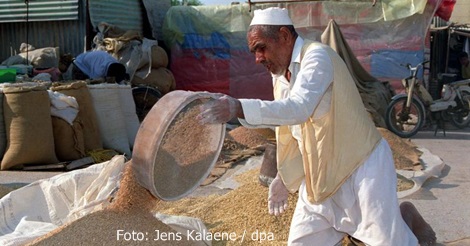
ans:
(284, 34)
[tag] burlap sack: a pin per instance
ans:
(162, 79)
(159, 57)
(68, 139)
(28, 125)
(40, 58)
(86, 114)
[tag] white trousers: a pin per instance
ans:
(365, 207)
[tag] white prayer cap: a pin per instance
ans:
(271, 16)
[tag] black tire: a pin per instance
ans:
(145, 97)
(461, 117)
(404, 123)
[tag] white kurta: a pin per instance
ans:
(366, 205)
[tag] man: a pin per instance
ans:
(98, 65)
(465, 68)
(328, 149)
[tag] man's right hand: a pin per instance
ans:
(277, 198)
(220, 110)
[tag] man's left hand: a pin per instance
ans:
(277, 196)
(219, 110)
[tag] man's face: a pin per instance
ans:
(273, 54)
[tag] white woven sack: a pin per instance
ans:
(130, 115)
(3, 133)
(107, 103)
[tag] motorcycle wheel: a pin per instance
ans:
(461, 118)
(145, 97)
(404, 122)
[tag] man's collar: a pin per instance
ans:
(299, 42)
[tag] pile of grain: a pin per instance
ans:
(251, 138)
(239, 144)
(130, 212)
(404, 183)
(405, 154)
(243, 210)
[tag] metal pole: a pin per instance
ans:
(448, 48)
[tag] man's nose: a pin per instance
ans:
(259, 58)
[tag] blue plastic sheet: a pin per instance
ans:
(392, 63)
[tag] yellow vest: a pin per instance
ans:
(335, 145)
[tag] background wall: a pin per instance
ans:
(461, 12)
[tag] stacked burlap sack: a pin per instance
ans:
(47, 57)
(28, 126)
(35, 127)
(152, 70)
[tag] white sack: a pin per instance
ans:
(44, 205)
(3, 130)
(63, 106)
(110, 117)
(36, 209)
(129, 113)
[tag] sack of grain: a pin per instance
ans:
(3, 134)
(86, 114)
(28, 124)
(128, 110)
(159, 57)
(68, 139)
(110, 116)
(39, 58)
(162, 79)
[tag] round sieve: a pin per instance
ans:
(173, 153)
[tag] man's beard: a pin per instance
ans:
(280, 73)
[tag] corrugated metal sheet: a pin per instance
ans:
(68, 35)
(38, 10)
(125, 14)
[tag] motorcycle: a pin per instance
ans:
(407, 113)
